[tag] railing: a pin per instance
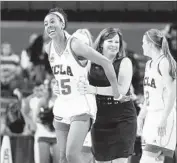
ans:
(20, 149)
(90, 5)
(4, 102)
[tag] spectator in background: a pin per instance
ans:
(172, 40)
(29, 105)
(38, 109)
(10, 70)
(39, 59)
(25, 61)
(170, 31)
(13, 122)
(45, 135)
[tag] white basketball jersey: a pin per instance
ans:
(154, 88)
(68, 71)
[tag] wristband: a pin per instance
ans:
(96, 90)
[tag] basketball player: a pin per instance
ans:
(72, 110)
(85, 36)
(159, 130)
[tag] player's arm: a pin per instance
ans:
(170, 85)
(106, 91)
(81, 49)
(124, 80)
(140, 119)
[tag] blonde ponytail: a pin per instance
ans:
(172, 62)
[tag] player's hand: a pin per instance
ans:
(84, 87)
(161, 129)
(56, 89)
(124, 98)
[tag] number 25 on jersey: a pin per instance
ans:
(64, 86)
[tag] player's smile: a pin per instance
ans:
(51, 31)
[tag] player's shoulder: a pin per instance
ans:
(70, 40)
(74, 43)
(164, 61)
(82, 35)
(163, 65)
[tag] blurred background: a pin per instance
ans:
(24, 66)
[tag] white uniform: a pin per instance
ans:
(68, 71)
(155, 98)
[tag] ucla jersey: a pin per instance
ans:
(154, 88)
(155, 93)
(68, 71)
